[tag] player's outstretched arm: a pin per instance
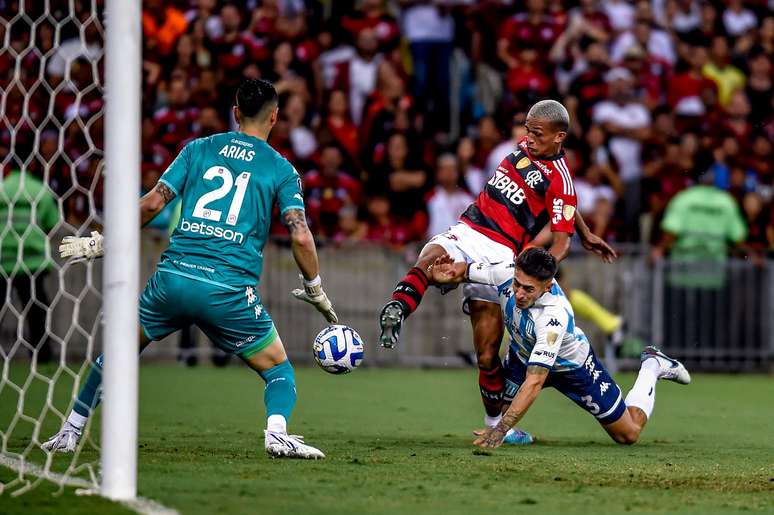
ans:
(592, 242)
(445, 271)
(305, 254)
(90, 247)
(528, 392)
(154, 201)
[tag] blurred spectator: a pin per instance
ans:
(760, 90)
(526, 79)
(386, 105)
(204, 13)
(652, 75)
(161, 26)
(447, 201)
(88, 47)
(350, 229)
(301, 137)
(657, 43)
(28, 213)
(757, 219)
(235, 49)
(175, 122)
(620, 13)
(734, 122)
(327, 191)
(700, 224)
(357, 76)
(683, 16)
(627, 122)
(719, 69)
(736, 19)
(402, 177)
(475, 178)
(588, 87)
(371, 14)
(690, 92)
(429, 29)
(383, 227)
(337, 125)
(501, 151)
(487, 138)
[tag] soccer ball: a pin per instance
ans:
(338, 349)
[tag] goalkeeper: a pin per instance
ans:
(209, 275)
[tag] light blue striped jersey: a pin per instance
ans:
(544, 334)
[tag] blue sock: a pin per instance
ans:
(88, 397)
(280, 394)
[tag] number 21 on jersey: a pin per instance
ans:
(218, 172)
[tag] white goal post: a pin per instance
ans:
(123, 38)
(58, 119)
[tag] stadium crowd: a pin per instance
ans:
(395, 113)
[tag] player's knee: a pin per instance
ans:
(487, 357)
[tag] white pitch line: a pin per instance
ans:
(140, 505)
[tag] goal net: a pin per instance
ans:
(51, 154)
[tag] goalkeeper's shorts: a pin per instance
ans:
(234, 320)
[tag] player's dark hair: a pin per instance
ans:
(255, 98)
(538, 263)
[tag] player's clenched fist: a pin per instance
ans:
(314, 295)
(80, 248)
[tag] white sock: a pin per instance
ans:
(277, 423)
(492, 421)
(643, 393)
(77, 419)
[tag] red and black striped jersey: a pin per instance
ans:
(523, 195)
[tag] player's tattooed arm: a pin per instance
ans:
(295, 221)
(154, 201)
(528, 392)
(302, 242)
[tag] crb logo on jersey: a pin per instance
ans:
(505, 185)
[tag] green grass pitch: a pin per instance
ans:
(399, 441)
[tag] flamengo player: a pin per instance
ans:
(530, 190)
(209, 275)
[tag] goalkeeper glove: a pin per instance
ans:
(81, 248)
(314, 295)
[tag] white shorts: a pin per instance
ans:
(463, 243)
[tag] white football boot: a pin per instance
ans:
(66, 440)
(283, 445)
(671, 369)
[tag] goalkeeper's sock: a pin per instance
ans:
(491, 383)
(585, 306)
(280, 395)
(88, 397)
(643, 393)
(410, 290)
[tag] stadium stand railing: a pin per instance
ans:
(720, 324)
